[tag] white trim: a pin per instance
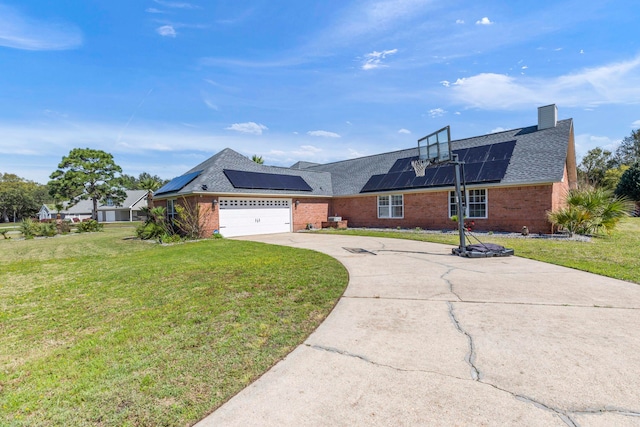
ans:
(390, 206)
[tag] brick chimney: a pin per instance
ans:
(547, 116)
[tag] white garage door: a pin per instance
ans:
(244, 217)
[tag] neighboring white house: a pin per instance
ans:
(128, 210)
(79, 211)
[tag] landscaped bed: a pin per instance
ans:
(99, 329)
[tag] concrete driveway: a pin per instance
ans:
(421, 337)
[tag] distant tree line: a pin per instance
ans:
(84, 174)
(618, 172)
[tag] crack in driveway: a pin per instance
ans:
(470, 357)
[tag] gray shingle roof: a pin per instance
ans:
(539, 156)
(214, 179)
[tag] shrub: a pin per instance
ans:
(63, 227)
(155, 226)
(188, 221)
(629, 184)
(590, 211)
(46, 229)
(89, 226)
(29, 228)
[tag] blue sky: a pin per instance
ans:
(163, 85)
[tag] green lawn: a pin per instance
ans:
(100, 329)
(613, 256)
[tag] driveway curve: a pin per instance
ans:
(422, 337)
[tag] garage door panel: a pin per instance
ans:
(244, 217)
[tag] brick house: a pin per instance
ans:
(512, 179)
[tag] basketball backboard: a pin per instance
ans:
(436, 147)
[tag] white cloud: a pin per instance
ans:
(586, 142)
(353, 154)
(166, 31)
(248, 127)
(177, 5)
(311, 148)
(459, 21)
(498, 129)
(323, 133)
(211, 105)
(154, 10)
(635, 124)
(21, 32)
(524, 67)
(363, 18)
(405, 131)
(617, 83)
(581, 51)
(436, 112)
(484, 21)
(445, 83)
(374, 59)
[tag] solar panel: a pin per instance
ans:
(372, 184)
(266, 181)
(471, 171)
(493, 171)
(486, 163)
(444, 176)
(500, 152)
(476, 154)
(177, 184)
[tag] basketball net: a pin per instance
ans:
(419, 166)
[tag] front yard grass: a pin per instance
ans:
(98, 329)
(614, 256)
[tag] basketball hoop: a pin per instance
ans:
(420, 165)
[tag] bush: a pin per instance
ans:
(188, 222)
(47, 229)
(63, 227)
(89, 226)
(590, 211)
(629, 184)
(155, 226)
(29, 228)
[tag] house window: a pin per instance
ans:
(476, 203)
(171, 210)
(109, 202)
(391, 206)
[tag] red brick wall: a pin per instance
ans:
(309, 211)
(514, 207)
(560, 190)
(209, 215)
(509, 209)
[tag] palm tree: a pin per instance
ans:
(591, 211)
(149, 184)
(257, 159)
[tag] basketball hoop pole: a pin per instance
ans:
(463, 245)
